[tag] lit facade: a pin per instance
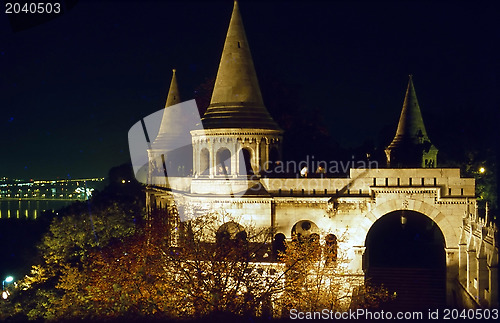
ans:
(239, 140)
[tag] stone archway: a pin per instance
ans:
(405, 251)
(223, 162)
(449, 225)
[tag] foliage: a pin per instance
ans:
(318, 278)
(167, 269)
(71, 238)
(208, 271)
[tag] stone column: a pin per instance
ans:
(482, 275)
(357, 261)
(462, 259)
(471, 266)
(234, 159)
(451, 274)
(256, 166)
(493, 286)
(196, 159)
(212, 159)
(266, 153)
(493, 279)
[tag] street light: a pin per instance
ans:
(5, 293)
(482, 170)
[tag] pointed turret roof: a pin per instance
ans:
(411, 127)
(173, 98)
(411, 147)
(173, 92)
(169, 127)
(236, 99)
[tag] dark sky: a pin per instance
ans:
(71, 88)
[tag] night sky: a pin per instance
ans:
(71, 88)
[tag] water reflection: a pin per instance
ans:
(29, 209)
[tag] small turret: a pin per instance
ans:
(171, 150)
(411, 147)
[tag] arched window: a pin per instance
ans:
(231, 241)
(204, 161)
(231, 231)
(245, 166)
(223, 162)
(303, 230)
(331, 247)
(278, 245)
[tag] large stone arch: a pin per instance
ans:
(447, 227)
(405, 253)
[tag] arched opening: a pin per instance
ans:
(305, 230)
(223, 162)
(179, 162)
(231, 241)
(331, 247)
(204, 161)
(230, 230)
(405, 252)
(245, 165)
(279, 245)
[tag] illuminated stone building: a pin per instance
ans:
(413, 222)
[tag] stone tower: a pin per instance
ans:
(240, 138)
(411, 147)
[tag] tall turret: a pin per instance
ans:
(236, 99)
(411, 147)
(240, 139)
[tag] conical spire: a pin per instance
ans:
(236, 99)
(411, 124)
(169, 127)
(172, 99)
(411, 146)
